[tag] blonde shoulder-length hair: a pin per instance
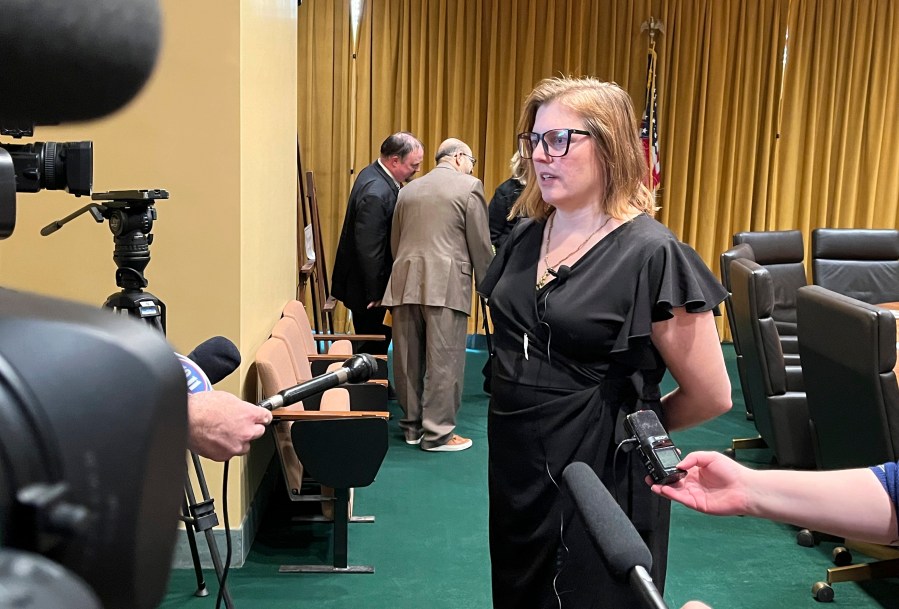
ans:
(608, 115)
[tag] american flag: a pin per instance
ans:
(649, 129)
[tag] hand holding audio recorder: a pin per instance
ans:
(659, 453)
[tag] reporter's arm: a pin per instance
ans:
(849, 503)
(689, 344)
(221, 425)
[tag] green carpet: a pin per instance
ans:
(429, 541)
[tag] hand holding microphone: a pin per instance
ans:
(220, 425)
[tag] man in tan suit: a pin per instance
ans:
(440, 237)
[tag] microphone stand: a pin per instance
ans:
(131, 216)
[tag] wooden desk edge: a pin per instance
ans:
(311, 415)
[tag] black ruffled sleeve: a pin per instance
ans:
(672, 276)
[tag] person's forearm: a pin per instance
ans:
(848, 503)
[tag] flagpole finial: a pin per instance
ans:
(653, 26)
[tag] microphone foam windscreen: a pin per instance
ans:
(217, 356)
(609, 528)
(70, 60)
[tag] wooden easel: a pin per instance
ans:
(323, 303)
(304, 265)
(315, 268)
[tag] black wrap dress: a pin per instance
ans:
(570, 360)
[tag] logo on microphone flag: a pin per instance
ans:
(194, 375)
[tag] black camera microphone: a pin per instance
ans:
(613, 535)
(73, 60)
(358, 368)
(217, 357)
(561, 274)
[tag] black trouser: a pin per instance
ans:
(371, 321)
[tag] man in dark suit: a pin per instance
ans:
(363, 261)
(440, 240)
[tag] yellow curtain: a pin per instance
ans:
(837, 157)
(719, 78)
(745, 145)
(325, 101)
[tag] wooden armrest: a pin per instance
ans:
(308, 415)
(306, 269)
(350, 337)
(336, 357)
(330, 304)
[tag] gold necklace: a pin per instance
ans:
(551, 270)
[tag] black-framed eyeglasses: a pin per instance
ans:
(555, 142)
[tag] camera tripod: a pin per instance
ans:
(131, 214)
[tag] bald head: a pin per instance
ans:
(457, 154)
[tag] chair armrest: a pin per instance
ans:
(317, 415)
(360, 396)
(795, 381)
(792, 442)
(319, 364)
(350, 337)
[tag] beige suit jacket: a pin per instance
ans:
(439, 239)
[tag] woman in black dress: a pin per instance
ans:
(592, 300)
(504, 198)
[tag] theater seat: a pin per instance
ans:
(342, 449)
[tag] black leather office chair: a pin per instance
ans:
(776, 390)
(855, 262)
(742, 250)
(783, 254)
(848, 350)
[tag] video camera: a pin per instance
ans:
(33, 167)
(93, 422)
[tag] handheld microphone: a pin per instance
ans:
(613, 535)
(217, 356)
(211, 361)
(358, 368)
(561, 274)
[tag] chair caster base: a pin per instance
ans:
(822, 592)
(841, 556)
(805, 538)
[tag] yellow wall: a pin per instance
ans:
(216, 127)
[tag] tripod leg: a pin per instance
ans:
(204, 516)
(202, 590)
(217, 563)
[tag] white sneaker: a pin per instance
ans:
(455, 444)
